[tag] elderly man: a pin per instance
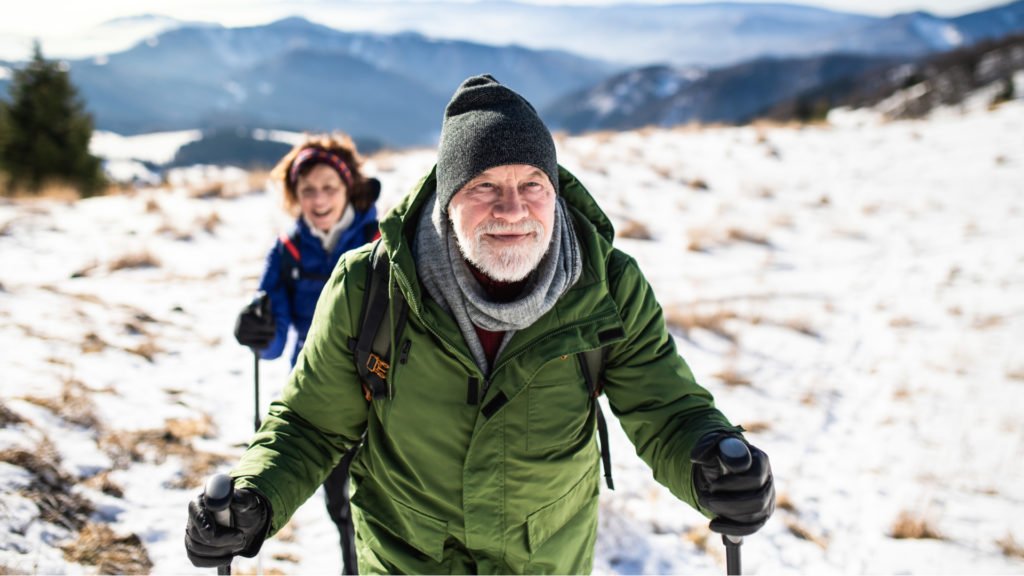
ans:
(480, 452)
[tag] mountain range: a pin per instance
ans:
(584, 67)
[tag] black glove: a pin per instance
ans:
(741, 501)
(209, 544)
(255, 325)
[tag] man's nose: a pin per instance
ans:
(510, 205)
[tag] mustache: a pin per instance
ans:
(529, 226)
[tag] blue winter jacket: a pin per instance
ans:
(297, 311)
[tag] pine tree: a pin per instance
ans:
(46, 131)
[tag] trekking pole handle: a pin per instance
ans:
(217, 497)
(734, 455)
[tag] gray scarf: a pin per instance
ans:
(449, 281)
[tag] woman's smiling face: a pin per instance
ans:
(323, 196)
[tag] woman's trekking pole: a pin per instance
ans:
(217, 499)
(735, 457)
(262, 307)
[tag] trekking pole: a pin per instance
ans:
(217, 499)
(262, 302)
(735, 458)
(262, 308)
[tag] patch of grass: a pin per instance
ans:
(286, 557)
(634, 230)
(802, 532)
(104, 484)
(986, 322)
(8, 416)
(152, 206)
(784, 502)
(74, 405)
(143, 259)
(50, 488)
(97, 545)
(757, 426)
(155, 445)
(731, 377)
(92, 343)
(689, 320)
(147, 350)
(208, 191)
(914, 526)
(740, 235)
(1010, 547)
(699, 184)
(170, 230)
(210, 222)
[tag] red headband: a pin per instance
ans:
(310, 156)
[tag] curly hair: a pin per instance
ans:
(337, 143)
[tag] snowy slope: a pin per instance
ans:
(851, 293)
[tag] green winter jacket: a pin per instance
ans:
(508, 483)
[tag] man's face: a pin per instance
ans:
(503, 219)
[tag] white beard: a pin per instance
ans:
(503, 263)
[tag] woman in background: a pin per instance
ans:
(334, 208)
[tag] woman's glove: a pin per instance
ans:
(742, 501)
(209, 544)
(255, 325)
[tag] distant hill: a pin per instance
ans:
(297, 75)
(912, 89)
(667, 96)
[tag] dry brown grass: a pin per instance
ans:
(97, 545)
(757, 426)
(286, 557)
(288, 533)
(147, 349)
(986, 322)
(634, 230)
(143, 259)
(208, 191)
(1015, 373)
(152, 206)
(155, 445)
(700, 537)
(167, 228)
(740, 235)
(9, 571)
(50, 488)
(699, 184)
(92, 343)
(210, 222)
(731, 377)
(74, 405)
(804, 533)
(1009, 546)
(713, 321)
(8, 416)
(784, 502)
(914, 526)
(103, 483)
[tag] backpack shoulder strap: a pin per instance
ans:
(592, 366)
(289, 268)
(372, 346)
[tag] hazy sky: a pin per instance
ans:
(56, 16)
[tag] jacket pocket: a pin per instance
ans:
(559, 406)
(547, 521)
(420, 531)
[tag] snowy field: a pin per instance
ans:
(852, 293)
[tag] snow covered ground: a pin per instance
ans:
(853, 294)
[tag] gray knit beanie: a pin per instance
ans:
(487, 125)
